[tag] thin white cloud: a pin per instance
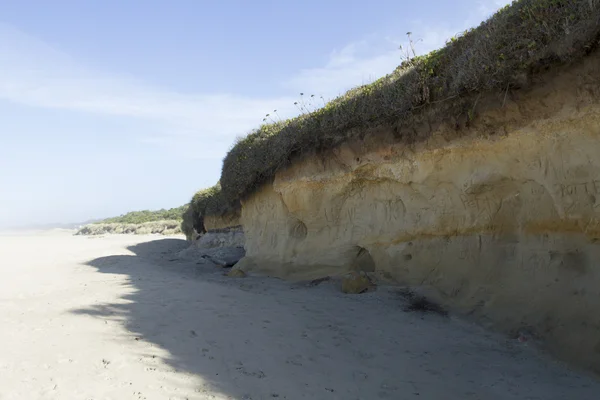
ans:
(343, 72)
(36, 74)
(485, 8)
(33, 73)
(357, 63)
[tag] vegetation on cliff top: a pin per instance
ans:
(211, 201)
(208, 201)
(502, 53)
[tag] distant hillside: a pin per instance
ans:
(162, 227)
(164, 222)
(140, 217)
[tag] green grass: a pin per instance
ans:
(209, 201)
(513, 46)
(140, 217)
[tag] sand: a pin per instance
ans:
(123, 317)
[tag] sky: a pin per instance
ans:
(109, 106)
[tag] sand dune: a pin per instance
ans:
(124, 317)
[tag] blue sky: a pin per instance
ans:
(111, 106)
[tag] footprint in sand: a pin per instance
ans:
(360, 376)
(257, 374)
(295, 360)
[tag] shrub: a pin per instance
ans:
(206, 202)
(187, 223)
(163, 227)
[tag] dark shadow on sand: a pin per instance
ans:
(257, 338)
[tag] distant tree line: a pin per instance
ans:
(139, 217)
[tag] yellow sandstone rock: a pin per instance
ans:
(236, 273)
(355, 283)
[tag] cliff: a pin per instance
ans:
(506, 53)
(472, 172)
(500, 219)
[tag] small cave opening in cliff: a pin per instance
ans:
(363, 261)
(298, 230)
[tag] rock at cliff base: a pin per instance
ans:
(236, 273)
(225, 257)
(356, 283)
(318, 281)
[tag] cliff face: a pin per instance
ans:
(216, 222)
(501, 219)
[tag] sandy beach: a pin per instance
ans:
(124, 317)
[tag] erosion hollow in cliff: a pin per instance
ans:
(298, 230)
(363, 262)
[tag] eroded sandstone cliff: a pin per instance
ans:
(501, 219)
